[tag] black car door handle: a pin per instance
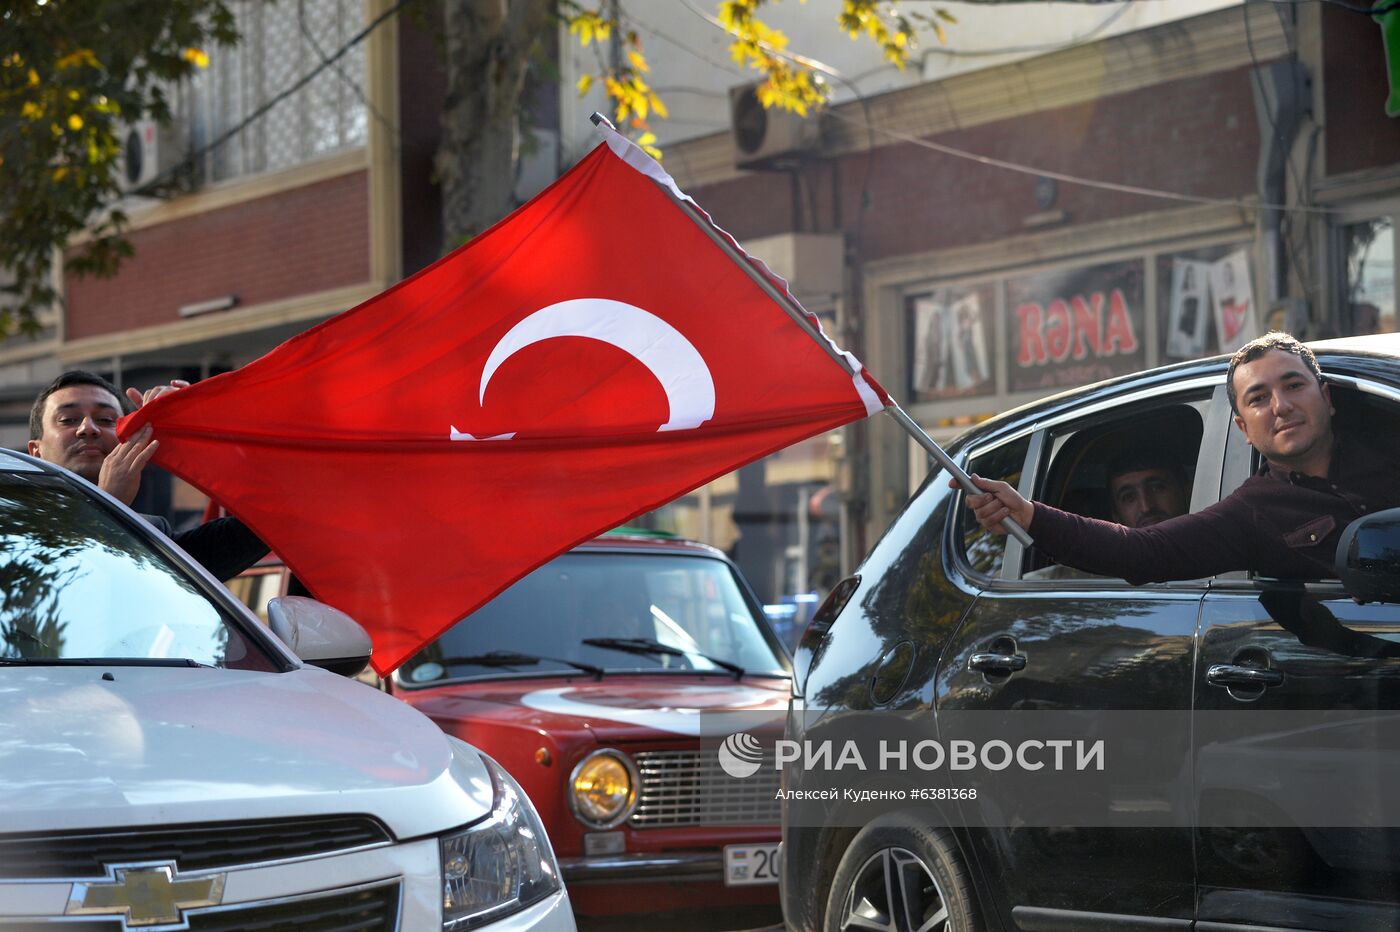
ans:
(1001, 664)
(1228, 674)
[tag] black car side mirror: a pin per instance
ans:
(1368, 557)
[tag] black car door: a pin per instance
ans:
(1295, 750)
(1074, 642)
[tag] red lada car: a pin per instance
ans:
(586, 681)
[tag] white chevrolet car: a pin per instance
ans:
(166, 763)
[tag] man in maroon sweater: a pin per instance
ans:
(1284, 521)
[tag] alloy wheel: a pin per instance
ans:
(895, 891)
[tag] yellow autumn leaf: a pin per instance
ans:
(33, 78)
(639, 62)
(584, 83)
(60, 173)
(197, 57)
(31, 110)
(75, 122)
(74, 59)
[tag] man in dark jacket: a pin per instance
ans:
(1284, 521)
(74, 424)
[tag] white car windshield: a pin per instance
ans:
(608, 612)
(79, 585)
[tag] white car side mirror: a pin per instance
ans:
(320, 635)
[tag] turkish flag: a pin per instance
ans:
(599, 352)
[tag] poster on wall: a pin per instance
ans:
(1077, 325)
(950, 332)
(1233, 300)
(1184, 292)
(1190, 309)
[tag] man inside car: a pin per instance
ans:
(1284, 521)
(1146, 486)
(73, 424)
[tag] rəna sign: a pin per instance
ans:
(1074, 326)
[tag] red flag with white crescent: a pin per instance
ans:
(599, 352)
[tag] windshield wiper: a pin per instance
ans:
(510, 658)
(649, 646)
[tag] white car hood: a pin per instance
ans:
(162, 745)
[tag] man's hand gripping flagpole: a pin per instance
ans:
(959, 475)
(785, 300)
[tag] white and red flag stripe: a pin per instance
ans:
(599, 352)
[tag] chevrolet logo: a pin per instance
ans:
(145, 895)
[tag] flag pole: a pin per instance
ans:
(794, 311)
(943, 459)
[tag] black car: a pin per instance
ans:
(944, 617)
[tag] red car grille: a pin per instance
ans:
(689, 788)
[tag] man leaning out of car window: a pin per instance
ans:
(1284, 521)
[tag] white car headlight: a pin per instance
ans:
(499, 865)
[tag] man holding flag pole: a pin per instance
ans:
(597, 353)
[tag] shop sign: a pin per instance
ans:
(1074, 326)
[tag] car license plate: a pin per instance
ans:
(747, 865)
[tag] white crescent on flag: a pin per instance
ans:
(667, 354)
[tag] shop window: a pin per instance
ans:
(1368, 254)
(1193, 306)
(950, 342)
(280, 43)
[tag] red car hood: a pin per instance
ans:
(618, 708)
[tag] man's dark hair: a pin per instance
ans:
(1275, 340)
(1140, 458)
(71, 377)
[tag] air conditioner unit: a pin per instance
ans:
(763, 137)
(150, 153)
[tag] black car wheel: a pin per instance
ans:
(901, 876)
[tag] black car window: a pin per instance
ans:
(1156, 446)
(983, 550)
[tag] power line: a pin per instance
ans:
(955, 152)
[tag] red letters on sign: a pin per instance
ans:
(1086, 324)
(1032, 345)
(1058, 330)
(1119, 331)
(1075, 328)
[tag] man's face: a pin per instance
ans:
(1147, 496)
(80, 429)
(1284, 412)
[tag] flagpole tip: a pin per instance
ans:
(599, 120)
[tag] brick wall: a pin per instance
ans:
(1359, 135)
(1195, 136)
(292, 243)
